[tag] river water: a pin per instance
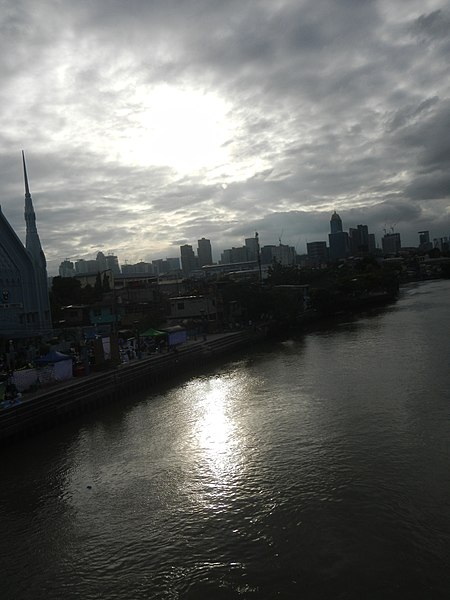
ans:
(313, 468)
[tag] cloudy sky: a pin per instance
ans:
(151, 123)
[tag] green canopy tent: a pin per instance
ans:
(153, 333)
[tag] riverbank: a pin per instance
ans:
(46, 408)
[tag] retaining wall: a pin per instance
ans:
(59, 402)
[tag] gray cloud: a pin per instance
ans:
(150, 123)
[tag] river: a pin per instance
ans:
(316, 468)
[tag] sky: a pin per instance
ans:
(148, 124)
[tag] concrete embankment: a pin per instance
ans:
(51, 406)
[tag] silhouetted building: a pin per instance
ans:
(391, 243)
(317, 253)
(173, 264)
(284, 254)
(234, 255)
(66, 269)
(424, 241)
(359, 240)
(188, 260)
(102, 264)
(267, 253)
(252, 246)
(441, 243)
(204, 252)
(140, 268)
(24, 302)
(335, 223)
(86, 267)
(112, 262)
(338, 239)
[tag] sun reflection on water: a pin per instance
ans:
(216, 430)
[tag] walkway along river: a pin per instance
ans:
(60, 401)
(313, 468)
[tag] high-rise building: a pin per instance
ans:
(425, 243)
(66, 268)
(112, 262)
(391, 243)
(359, 240)
(159, 266)
(284, 254)
(173, 264)
(204, 252)
(317, 253)
(101, 262)
(338, 239)
(441, 244)
(188, 260)
(335, 223)
(86, 267)
(252, 246)
(140, 268)
(267, 254)
(234, 255)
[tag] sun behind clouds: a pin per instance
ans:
(184, 129)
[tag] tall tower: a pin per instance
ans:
(335, 223)
(189, 261)
(204, 252)
(33, 245)
(338, 239)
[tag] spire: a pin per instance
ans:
(27, 189)
(32, 243)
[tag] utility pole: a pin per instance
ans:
(258, 256)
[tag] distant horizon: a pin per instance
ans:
(151, 125)
(217, 261)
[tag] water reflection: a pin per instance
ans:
(215, 430)
(316, 468)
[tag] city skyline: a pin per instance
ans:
(358, 241)
(147, 126)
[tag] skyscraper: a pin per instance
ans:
(188, 260)
(335, 223)
(252, 248)
(338, 239)
(391, 243)
(204, 252)
(424, 241)
(359, 239)
(317, 253)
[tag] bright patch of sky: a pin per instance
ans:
(147, 125)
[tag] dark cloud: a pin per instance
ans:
(335, 104)
(432, 186)
(433, 25)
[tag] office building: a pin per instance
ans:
(317, 253)
(391, 243)
(66, 268)
(338, 239)
(234, 255)
(359, 240)
(252, 245)
(204, 252)
(188, 260)
(425, 243)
